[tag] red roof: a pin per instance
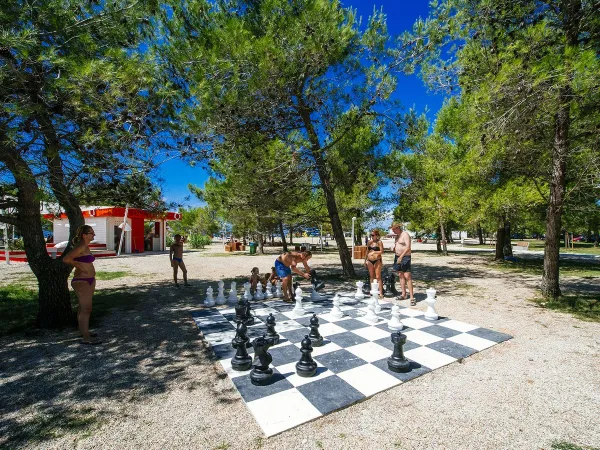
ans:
(133, 213)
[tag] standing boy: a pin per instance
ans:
(176, 258)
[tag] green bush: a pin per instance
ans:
(199, 240)
(16, 244)
(170, 240)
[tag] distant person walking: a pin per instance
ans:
(176, 258)
(84, 279)
(402, 261)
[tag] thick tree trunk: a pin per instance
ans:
(507, 245)
(499, 244)
(283, 241)
(480, 234)
(550, 276)
(444, 244)
(291, 235)
(54, 297)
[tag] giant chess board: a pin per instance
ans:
(351, 364)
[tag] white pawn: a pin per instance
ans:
(430, 314)
(233, 298)
(209, 297)
(395, 324)
(371, 316)
(375, 296)
(221, 300)
(247, 293)
(336, 311)
(269, 293)
(258, 295)
(298, 309)
(359, 290)
(278, 291)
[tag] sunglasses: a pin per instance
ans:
(374, 235)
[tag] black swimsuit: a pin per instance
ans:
(375, 249)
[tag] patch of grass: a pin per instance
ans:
(111, 275)
(564, 445)
(319, 444)
(18, 308)
(53, 424)
(578, 247)
(581, 306)
(584, 269)
(222, 446)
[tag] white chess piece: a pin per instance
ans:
(430, 314)
(298, 309)
(375, 296)
(336, 311)
(278, 291)
(221, 300)
(233, 298)
(258, 295)
(247, 293)
(269, 293)
(359, 290)
(209, 297)
(371, 316)
(395, 324)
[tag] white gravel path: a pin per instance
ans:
(154, 384)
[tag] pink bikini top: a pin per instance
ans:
(85, 259)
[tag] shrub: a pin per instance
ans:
(199, 240)
(16, 244)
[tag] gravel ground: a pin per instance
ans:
(154, 384)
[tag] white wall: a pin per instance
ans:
(61, 230)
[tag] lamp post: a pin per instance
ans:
(353, 221)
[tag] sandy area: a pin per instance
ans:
(154, 384)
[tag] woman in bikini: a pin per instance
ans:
(84, 281)
(373, 259)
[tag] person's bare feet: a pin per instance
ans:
(413, 302)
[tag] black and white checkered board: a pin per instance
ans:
(352, 363)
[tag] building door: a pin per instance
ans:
(117, 235)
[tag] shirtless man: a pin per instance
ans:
(402, 261)
(285, 265)
(176, 258)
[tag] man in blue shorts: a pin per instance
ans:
(285, 264)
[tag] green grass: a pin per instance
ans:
(111, 275)
(584, 307)
(19, 305)
(578, 247)
(563, 445)
(585, 269)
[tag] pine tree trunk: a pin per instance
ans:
(283, 241)
(291, 235)
(444, 245)
(507, 245)
(480, 234)
(550, 277)
(54, 297)
(499, 244)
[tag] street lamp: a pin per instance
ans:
(353, 221)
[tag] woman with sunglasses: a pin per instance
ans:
(84, 281)
(373, 259)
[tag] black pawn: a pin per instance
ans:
(241, 361)
(307, 366)
(271, 333)
(397, 362)
(315, 338)
(240, 335)
(261, 373)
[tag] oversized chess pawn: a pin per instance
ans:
(359, 290)
(269, 293)
(298, 309)
(247, 293)
(271, 333)
(278, 291)
(240, 336)
(371, 317)
(315, 338)
(210, 301)
(258, 295)
(375, 296)
(233, 298)
(261, 372)
(397, 362)
(395, 324)
(336, 311)
(430, 314)
(221, 300)
(307, 366)
(241, 361)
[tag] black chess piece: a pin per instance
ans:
(243, 312)
(240, 335)
(261, 373)
(315, 338)
(271, 333)
(367, 285)
(397, 362)
(317, 283)
(307, 366)
(390, 285)
(241, 361)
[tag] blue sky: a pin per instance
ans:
(400, 17)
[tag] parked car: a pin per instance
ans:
(578, 238)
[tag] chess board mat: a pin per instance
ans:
(351, 363)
